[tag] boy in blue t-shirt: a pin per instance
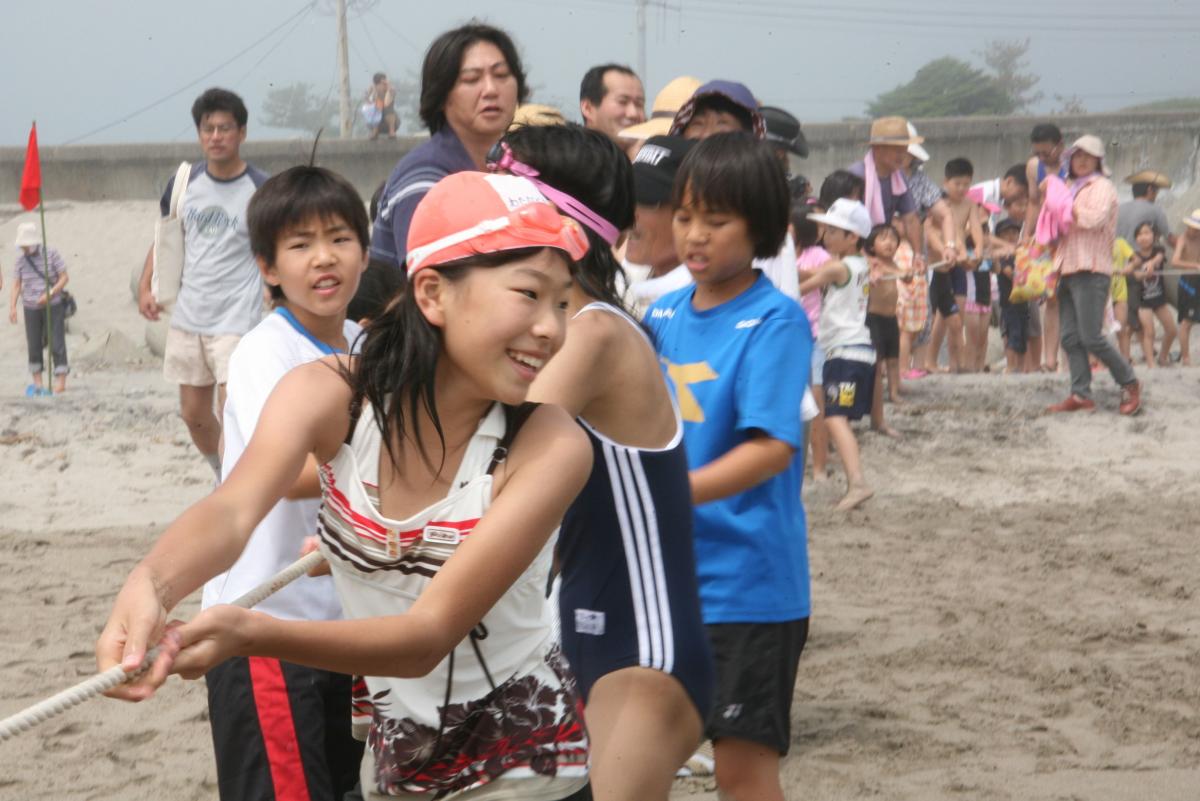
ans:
(738, 354)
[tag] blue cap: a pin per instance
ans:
(737, 93)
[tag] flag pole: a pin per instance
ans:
(46, 279)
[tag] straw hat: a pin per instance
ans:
(1093, 146)
(27, 235)
(537, 114)
(1150, 177)
(893, 131)
(666, 103)
(1193, 219)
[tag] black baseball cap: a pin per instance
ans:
(654, 168)
(783, 129)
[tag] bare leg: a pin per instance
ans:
(893, 376)
(1121, 312)
(37, 381)
(60, 383)
(643, 726)
(906, 340)
(954, 341)
(934, 348)
(843, 439)
(1185, 345)
(747, 771)
(1146, 317)
(196, 409)
(1164, 317)
(1033, 355)
(877, 421)
(1050, 342)
(818, 434)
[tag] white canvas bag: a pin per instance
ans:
(167, 274)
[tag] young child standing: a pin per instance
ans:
(912, 311)
(884, 275)
(849, 358)
(953, 221)
(1014, 316)
(33, 273)
(1187, 257)
(811, 256)
(309, 235)
(441, 490)
(1147, 262)
(737, 351)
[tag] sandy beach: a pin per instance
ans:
(1011, 617)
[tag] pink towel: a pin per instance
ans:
(1058, 207)
(873, 199)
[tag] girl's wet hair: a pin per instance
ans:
(805, 231)
(589, 167)
(398, 360)
(883, 229)
(734, 173)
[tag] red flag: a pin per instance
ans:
(31, 179)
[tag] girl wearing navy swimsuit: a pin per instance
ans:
(629, 605)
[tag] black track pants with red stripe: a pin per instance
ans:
(281, 732)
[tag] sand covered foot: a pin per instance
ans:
(857, 495)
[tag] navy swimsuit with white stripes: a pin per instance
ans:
(629, 595)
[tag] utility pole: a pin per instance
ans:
(641, 33)
(343, 69)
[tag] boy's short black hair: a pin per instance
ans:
(592, 87)
(1142, 189)
(443, 62)
(959, 168)
(841, 184)
(876, 232)
(1006, 225)
(1017, 173)
(377, 77)
(737, 174)
(219, 100)
(1046, 132)
(294, 196)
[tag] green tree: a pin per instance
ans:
(946, 87)
(1006, 59)
(299, 107)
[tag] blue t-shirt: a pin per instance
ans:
(736, 368)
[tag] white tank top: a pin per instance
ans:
(844, 310)
(504, 704)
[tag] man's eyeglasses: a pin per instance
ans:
(209, 130)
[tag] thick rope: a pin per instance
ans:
(115, 676)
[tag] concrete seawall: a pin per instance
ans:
(1169, 142)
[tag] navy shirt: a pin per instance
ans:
(892, 206)
(413, 176)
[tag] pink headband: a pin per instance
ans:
(565, 203)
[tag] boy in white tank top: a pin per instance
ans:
(849, 374)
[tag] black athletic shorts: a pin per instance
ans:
(885, 335)
(1188, 297)
(1015, 319)
(958, 280)
(756, 675)
(848, 384)
(983, 288)
(281, 731)
(941, 295)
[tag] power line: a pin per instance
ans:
(307, 7)
(399, 35)
(383, 62)
(273, 48)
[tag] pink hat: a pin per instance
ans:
(469, 213)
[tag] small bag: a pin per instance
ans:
(69, 306)
(372, 115)
(1034, 275)
(167, 274)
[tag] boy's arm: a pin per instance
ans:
(147, 306)
(831, 272)
(1178, 261)
(912, 232)
(1035, 200)
(935, 232)
(975, 227)
(746, 466)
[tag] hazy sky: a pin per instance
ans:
(77, 65)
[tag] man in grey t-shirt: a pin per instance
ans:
(221, 296)
(1131, 215)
